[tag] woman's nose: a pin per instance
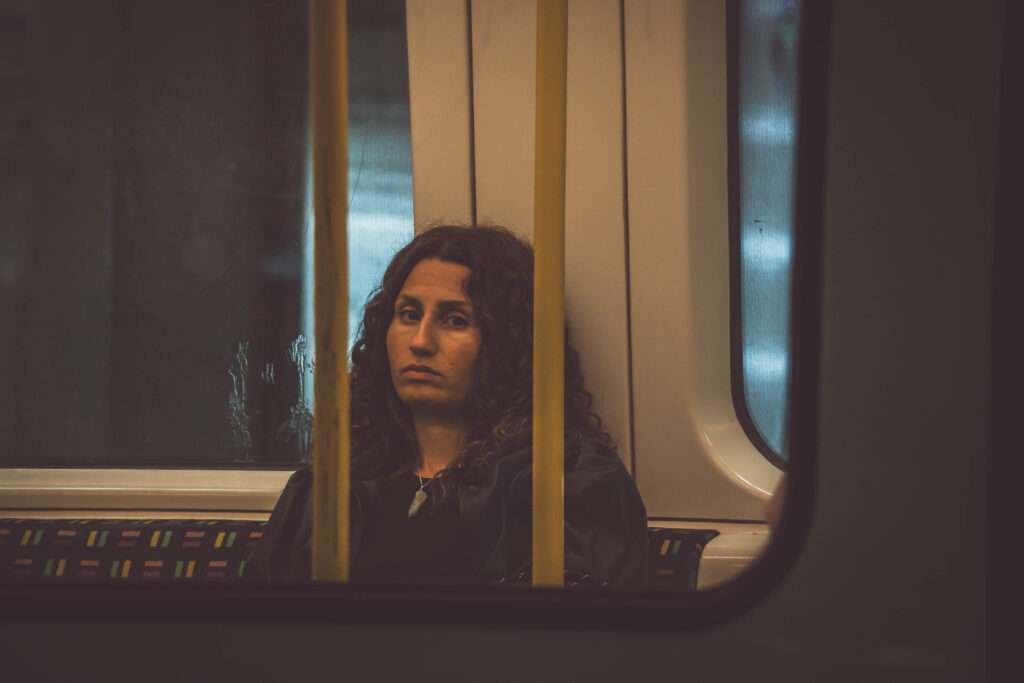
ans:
(423, 339)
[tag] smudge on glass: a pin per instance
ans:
(237, 416)
(299, 425)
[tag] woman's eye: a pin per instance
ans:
(409, 315)
(457, 321)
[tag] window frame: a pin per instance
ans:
(578, 609)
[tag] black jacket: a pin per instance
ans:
(605, 521)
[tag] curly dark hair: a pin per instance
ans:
(500, 287)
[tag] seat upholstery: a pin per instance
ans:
(673, 557)
(123, 549)
(216, 550)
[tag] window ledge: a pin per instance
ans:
(729, 555)
(140, 490)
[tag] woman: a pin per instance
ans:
(441, 430)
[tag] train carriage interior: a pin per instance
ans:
(790, 273)
(247, 387)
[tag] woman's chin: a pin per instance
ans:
(434, 406)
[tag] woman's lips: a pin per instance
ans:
(419, 372)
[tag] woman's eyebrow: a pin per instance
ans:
(447, 305)
(455, 304)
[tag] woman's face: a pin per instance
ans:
(434, 340)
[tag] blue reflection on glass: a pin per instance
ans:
(380, 213)
(767, 120)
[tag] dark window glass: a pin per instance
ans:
(156, 238)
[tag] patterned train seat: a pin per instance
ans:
(673, 557)
(121, 549)
(216, 550)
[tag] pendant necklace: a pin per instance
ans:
(419, 498)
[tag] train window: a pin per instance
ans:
(380, 218)
(158, 305)
(156, 249)
(763, 82)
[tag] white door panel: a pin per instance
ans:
(692, 457)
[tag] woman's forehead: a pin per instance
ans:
(436, 279)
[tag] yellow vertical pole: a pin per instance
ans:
(549, 296)
(329, 91)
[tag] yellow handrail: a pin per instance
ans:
(329, 90)
(548, 297)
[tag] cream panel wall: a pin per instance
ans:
(438, 40)
(692, 457)
(504, 94)
(504, 66)
(595, 261)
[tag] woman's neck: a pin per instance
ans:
(439, 439)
